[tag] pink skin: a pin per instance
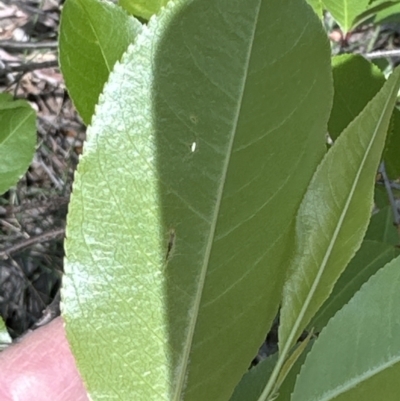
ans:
(41, 368)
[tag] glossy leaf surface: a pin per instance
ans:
(93, 36)
(334, 213)
(364, 364)
(179, 219)
(17, 140)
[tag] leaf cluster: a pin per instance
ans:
(207, 200)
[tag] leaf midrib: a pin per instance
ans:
(189, 339)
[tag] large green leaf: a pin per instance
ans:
(345, 11)
(368, 260)
(17, 140)
(203, 144)
(143, 8)
(334, 213)
(357, 356)
(93, 36)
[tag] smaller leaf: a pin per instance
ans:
(93, 36)
(317, 6)
(381, 227)
(357, 355)
(345, 12)
(17, 140)
(375, 10)
(5, 338)
(253, 382)
(356, 81)
(391, 153)
(371, 257)
(381, 197)
(142, 8)
(390, 13)
(334, 213)
(291, 361)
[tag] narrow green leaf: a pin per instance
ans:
(143, 8)
(356, 81)
(357, 355)
(286, 389)
(346, 11)
(368, 260)
(5, 338)
(317, 7)
(334, 213)
(374, 3)
(180, 219)
(17, 140)
(253, 382)
(381, 227)
(390, 13)
(375, 10)
(93, 36)
(391, 153)
(291, 361)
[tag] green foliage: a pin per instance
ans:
(253, 382)
(345, 12)
(5, 338)
(390, 13)
(381, 227)
(17, 139)
(371, 256)
(143, 8)
(205, 145)
(318, 7)
(391, 154)
(334, 213)
(356, 81)
(93, 36)
(363, 365)
(350, 13)
(197, 138)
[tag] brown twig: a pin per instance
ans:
(13, 45)
(27, 67)
(383, 53)
(49, 236)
